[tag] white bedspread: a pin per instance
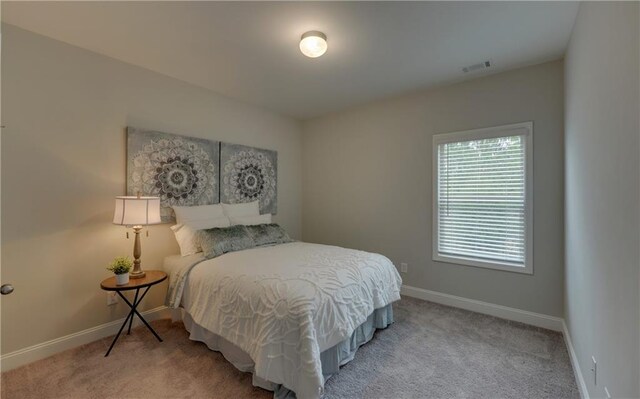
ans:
(285, 304)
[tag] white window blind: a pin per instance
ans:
(481, 198)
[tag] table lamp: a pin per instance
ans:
(137, 212)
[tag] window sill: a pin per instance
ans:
(507, 267)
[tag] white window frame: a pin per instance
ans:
(517, 129)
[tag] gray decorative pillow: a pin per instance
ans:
(265, 234)
(220, 240)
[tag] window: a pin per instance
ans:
(482, 201)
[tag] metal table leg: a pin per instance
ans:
(129, 318)
(134, 309)
(135, 300)
(130, 315)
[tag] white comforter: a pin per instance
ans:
(285, 304)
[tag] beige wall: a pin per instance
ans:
(603, 196)
(367, 181)
(63, 161)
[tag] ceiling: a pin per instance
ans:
(249, 50)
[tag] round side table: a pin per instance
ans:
(151, 278)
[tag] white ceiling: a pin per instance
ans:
(249, 50)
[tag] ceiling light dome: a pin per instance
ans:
(313, 44)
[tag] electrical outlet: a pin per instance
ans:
(404, 267)
(606, 392)
(594, 370)
(112, 298)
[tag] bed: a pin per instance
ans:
(291, 313)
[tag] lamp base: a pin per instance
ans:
(137, 252)
(139, 274)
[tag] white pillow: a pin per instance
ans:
(251, 220)
(185, 233)
(243, 209)
(187, 214)
(185, 236)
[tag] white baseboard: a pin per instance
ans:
(582, 386)
(49, 348)
(503, 312)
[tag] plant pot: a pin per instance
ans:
(122, 279)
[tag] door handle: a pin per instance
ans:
(6, 289)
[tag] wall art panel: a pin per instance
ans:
(249, 174)
(180, 170)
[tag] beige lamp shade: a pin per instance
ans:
(137, 211)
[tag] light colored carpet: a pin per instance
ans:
(432, 351)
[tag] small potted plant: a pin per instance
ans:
(120, 267)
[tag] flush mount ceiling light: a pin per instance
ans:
(313, 44)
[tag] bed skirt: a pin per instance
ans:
(331, 358)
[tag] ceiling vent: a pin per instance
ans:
(480, 66)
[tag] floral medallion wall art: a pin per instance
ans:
(180, 170)
(187, 171)
(249, 174)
